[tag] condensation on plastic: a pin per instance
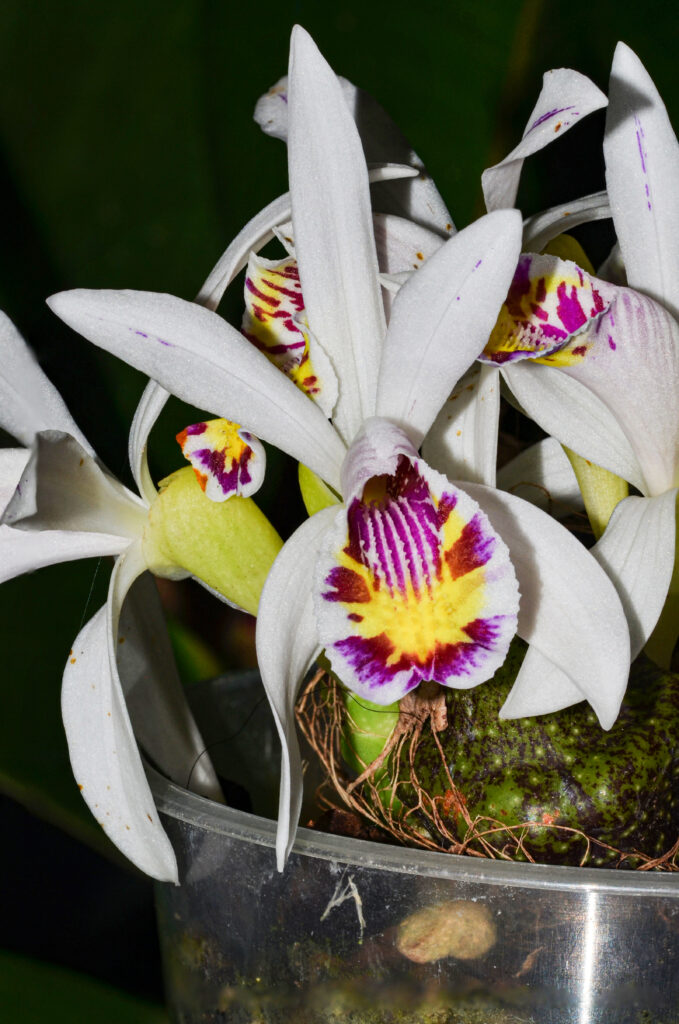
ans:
(355, 931)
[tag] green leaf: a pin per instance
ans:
(36, 993)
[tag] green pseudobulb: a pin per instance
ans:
(619, 787)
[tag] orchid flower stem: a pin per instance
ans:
(661, 644)
(601, 490)
(367, 731)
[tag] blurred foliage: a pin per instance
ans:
(128, 158)
(33, 993)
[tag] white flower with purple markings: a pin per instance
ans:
(404, 575)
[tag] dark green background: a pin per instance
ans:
(128, 158)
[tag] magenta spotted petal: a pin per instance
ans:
(550, 303)
(275, 322)
(227, 460)
(414, 584)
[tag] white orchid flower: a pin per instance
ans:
(609, 384)
(58, 503)
(416, 222)
(393, 533)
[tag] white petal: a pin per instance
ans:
(540, 688)
(637, 552)
(401, 244)
(333, 230)
(419, 201)
(543, 475)
(203, 360)
(613, 269)
(566, 98)
(571, 413)
(63, 488)
(12, 465)
(633, 367)
(541, 228)
(402, 247)
(24, 550)
(161, 718)
(256, 233)
(29, 402)
(104, 755)
(442, 317)
(642, 175)
(287, 644)
(151, 404)
(569, 607)
(462, 442)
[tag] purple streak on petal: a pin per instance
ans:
(196, 428)
(546, 117)
(141, 334)
(485, 632)
(350, 588)
(382, 520)
(230, 480)
(447, 505)
(611, 343)
(472, 549)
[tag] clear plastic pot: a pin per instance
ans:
(355, 931)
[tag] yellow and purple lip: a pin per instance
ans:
(415, 585)
(550, 306)
(227, 460)
(275, 323)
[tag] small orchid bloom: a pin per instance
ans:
(59, 503)
(410, 576)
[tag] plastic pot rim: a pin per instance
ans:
(192, 809)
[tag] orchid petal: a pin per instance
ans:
(203, 360)
(633, 367)
(160, 715)
(613, 269)
(566, 98)
(402, 247)
(29, 402)
(454, 301)
(419, 200)
(333, 232)
(637, 552)
(569, 607)
(151, 404)
(540, 688)
(102, 747)
(275, 322)
(287, 644)
(542, 227)
(543, 475)
(226, 459)
(550, 302)
(642, 171)
(256, 233)
(63, 488)
(12, 465)
(412, 584)
(570, 412)
(25, 551)
(401, 244)
(462, 442)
